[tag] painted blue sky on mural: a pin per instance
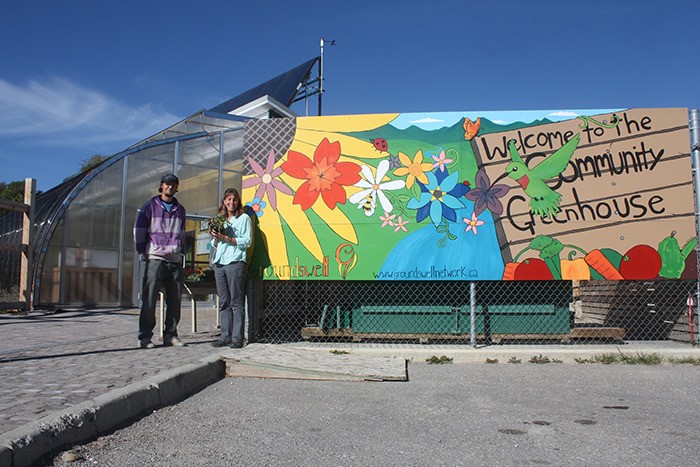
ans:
(81, 78)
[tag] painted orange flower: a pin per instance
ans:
(414, 169)
(323, 176)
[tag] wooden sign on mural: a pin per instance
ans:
(627, 183)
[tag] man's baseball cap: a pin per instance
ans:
(170, 178)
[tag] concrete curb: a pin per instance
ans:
(25, 445)
(565, 353)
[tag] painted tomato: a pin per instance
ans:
(641, 262)
(533, 269)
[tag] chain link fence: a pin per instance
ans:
(522, 312)
(10, 232)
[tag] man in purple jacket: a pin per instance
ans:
(159, 234)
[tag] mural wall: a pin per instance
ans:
(537, 195)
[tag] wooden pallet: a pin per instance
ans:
(587, 333)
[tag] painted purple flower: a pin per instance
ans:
(485, 195)
(394, 162)
(267, 181)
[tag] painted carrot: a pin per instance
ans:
(602, 265)
(509, 271)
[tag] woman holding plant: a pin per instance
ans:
(231, 230)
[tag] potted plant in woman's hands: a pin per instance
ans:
(216, 224)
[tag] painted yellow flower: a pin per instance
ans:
(414, 169)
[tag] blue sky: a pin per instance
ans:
(79, 78)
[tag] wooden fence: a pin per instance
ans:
(24, 246)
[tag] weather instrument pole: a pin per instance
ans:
(320, 79)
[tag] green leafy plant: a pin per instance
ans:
(514, 359)
(216, 224)
(339, 352)
(491, 360)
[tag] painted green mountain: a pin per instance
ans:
(441, 136)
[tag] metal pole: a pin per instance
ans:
(472, 314)
(694, 121)
(320, 79)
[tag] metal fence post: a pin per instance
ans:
(472, 314)
(694, 121)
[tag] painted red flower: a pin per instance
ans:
(323, 176)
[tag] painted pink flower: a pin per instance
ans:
(401, 225)
(267, 181)
(387, 219)
(440, 161)
(472, 223)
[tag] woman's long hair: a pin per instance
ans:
(238, 210)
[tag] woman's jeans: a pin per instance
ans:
(230, 285)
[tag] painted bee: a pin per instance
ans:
(368, 205)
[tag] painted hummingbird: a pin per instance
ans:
(544, 201)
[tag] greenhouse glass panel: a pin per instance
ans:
(233, 161)
(199, 174)
(50, 282)
(145, 168)
(92, 240)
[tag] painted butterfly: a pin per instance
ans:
(471, 128)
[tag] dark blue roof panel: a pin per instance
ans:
(282, 88)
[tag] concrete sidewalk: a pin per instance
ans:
(73, 375)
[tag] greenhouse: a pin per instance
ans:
(83, 244)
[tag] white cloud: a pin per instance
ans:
(58, 111)
(563, 113)
(428, 120)
(500, 122)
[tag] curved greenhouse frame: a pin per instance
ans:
(85, 252)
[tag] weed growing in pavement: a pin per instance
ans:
(539, 359)
(513, 359)
(637, 359)
(339, 352)
(491, 360)
(684, 360)
(641, 359)
(439, 360)
(605, 358)
(557, 360)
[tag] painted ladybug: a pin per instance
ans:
(380, 144)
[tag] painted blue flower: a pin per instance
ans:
(257, 206)
(440, 197)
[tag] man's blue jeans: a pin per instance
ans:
(230, 285)
(156, 276)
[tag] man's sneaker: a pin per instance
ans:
(218, 343)
(174, 342)
(236, 344)
(146, 344)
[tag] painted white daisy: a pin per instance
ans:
(374, 187)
